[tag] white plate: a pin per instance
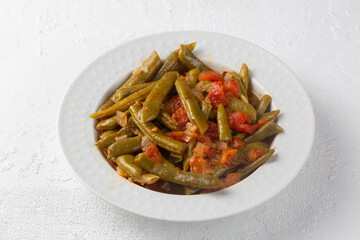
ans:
(104, 75)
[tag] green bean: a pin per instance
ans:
(124, 146)
(206, 109)
(191, 190)
(106, 133)
(236, 104)
(204, 86)
(175, 157)
(175, 175)
(171, 62)
(269, 115)
(188, 154)
(108, 123)
(242, 156)
(108, 103)
(263, 105)
(192, 77)
(152, 104)
(241, 135)
(191, 106)
(256, 164)
(190, 60)
(125, 162)
(140, 75)
(156, 136)
(266, 130)
(110, 138)
(245, 76)
(126, 91)
(165, 119)
(125, 103)
(223, 124)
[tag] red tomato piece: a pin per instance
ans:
(198, 165)
(236, 118)
(232, 87)
(210, 76)
(153, 152)
(237, 142)
(212, 131)
(254, 154)
(230, 179)
(173, 104)
(248, 128)
(227, 156)
(217, 95)
(180, 116)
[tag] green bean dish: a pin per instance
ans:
(177, 126)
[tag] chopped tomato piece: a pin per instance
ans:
(263, 121)
(248, 128)
(232, 87)
(237, 142)
(210, 76)
(152, 151)
(172, 104)
(238, 118)
(181, 136)
(180, 116)
(254, 154)
(212, 131)
(227, 156)
(198, 165)
(217, 95)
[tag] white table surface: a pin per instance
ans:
(45, 44)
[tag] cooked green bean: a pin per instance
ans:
(107, 133)
(191, 106)
(236, 104)
(126, 91)
(190, 60)
(165, 119)
(192, 77)
(175, 175)
(268, 129)
(175, 157)
(140, 75)
(152, 104)
(213, 114)
(263, 105)
(125, 162)
(125, 103)
(171, 62)
(245, 76)
(108, 103)
(156, 136)
(110, 138)
(204, 86)
(269, 115)
(107, 124)
(223, 124)
(256, 164)
(188, 154)
(241, 135)
(124, 146)
(206, 109)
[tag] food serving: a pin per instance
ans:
(180, 127)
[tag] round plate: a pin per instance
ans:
(104, 75)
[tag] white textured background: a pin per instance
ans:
(45, 44)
